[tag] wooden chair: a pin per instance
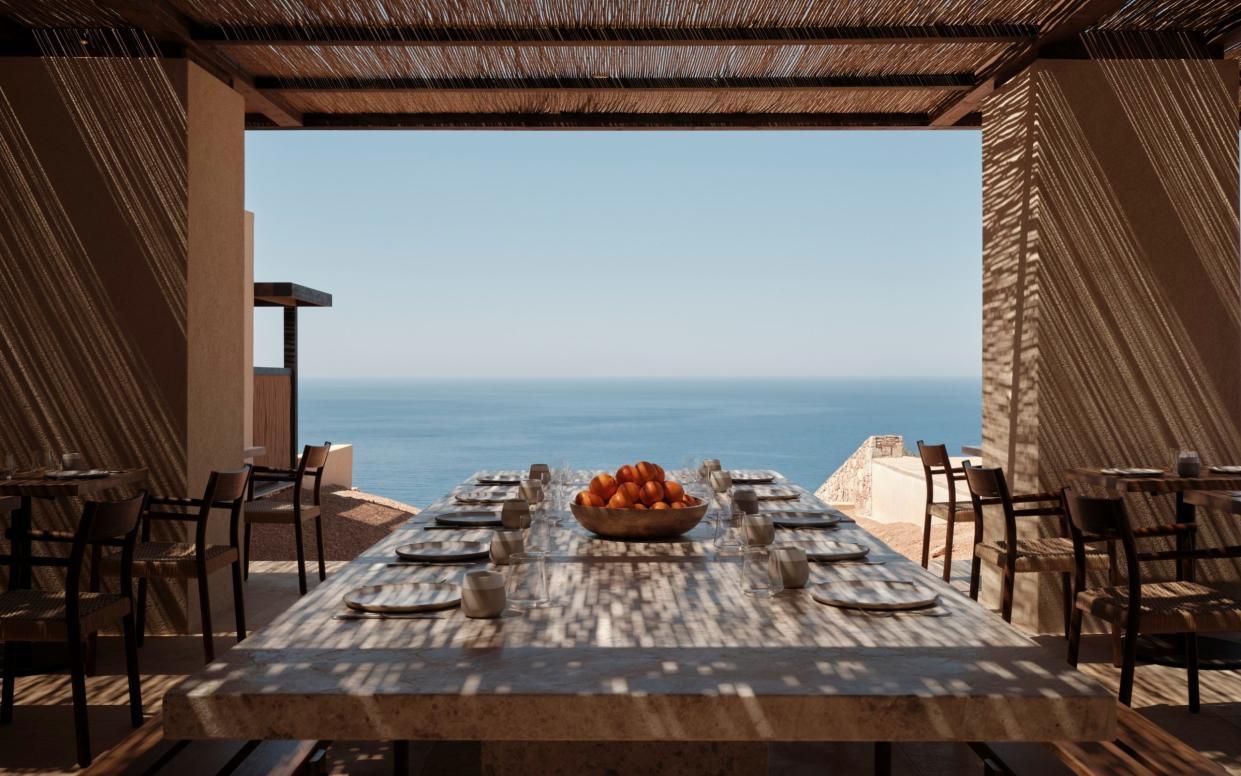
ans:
(1014, 555)
(935, 462)
(197, 560)
(1181, 606)
(70, 616)
(294, 513)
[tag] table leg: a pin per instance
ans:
(400, 758)
(883, 758)
(19, 548)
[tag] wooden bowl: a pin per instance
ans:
(638, 523)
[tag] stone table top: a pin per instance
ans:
(646, 641)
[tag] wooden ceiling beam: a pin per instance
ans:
(949, 82)
(1083, 17)
(225, 36)
(166, 24)
(609, 121)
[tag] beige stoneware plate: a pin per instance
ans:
(404, 597)
(826, 550)
(441, 552)
(469, 519)
(875, 594)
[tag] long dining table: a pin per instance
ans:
(645, 641)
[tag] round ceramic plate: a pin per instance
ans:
(407, 597)
(493, 495)
(826, 551)
(500, 479)
(803, 521)
(440, 552)
(752, 477)
(469, 519)
(875, 594)
(1123, 472)
(1226, 469)
(776, 493)
(75, 474)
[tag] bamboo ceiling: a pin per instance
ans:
(625, 63)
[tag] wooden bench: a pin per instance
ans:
(146, 751)
(1141, 748)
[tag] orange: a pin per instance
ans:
(626, 473)
(588, 499)
(659, 472)
(673, 490)
(678, 505)
(651, 492)
(639, 505)
(603, 486)
(620, 501)
(631, 490)
(659, 505)
(647, 471)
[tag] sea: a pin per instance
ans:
(413, 440)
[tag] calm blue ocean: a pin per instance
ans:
(414, 439)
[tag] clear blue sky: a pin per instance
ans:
(581, 254)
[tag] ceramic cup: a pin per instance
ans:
(482, 594)
(709, 465)
(541, 472)
(792, 565)
(515, 513)
(745, 500)
(721, 481)
(532, 491)
(759, 530)
(506, 542)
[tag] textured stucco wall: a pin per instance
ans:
(120, 240)
(1112, 274)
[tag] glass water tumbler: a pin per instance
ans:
(527, 580)
(1187, 463)
(729, 535)
(760, 577)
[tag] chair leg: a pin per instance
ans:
(10, 679)
(926, 539)
(1006, 598)
(1066, 579)
(1074, 635)
(975, 576)
(77, 679)
(131, 668)
(141, 615)
(301, 556)
(1126, 670)
(883, 758)
(246, 569)
(239, 601)
(204, 607)
(319, 544)
(952, 524)
(1191, 665)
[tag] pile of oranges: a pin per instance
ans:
(641, 486)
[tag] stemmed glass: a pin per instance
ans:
(8, 467)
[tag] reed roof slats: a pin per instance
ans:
(606, 62)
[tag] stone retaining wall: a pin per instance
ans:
(851, 483)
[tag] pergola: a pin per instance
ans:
(1112, 277)
(701, 64)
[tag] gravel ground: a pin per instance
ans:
(352, 521)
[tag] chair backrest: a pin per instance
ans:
(1092, 520)
(935, 461)
(103, 524)
(314, 460)
(988, 487)
(226, 489)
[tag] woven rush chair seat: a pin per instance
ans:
(282, 512)
(38, 615)
(964, 511)
(172, 559)
(1167, 607)
(1047, 554)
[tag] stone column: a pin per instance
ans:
(121, 245)
(1112, 278)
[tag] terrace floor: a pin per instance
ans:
(40, 740)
